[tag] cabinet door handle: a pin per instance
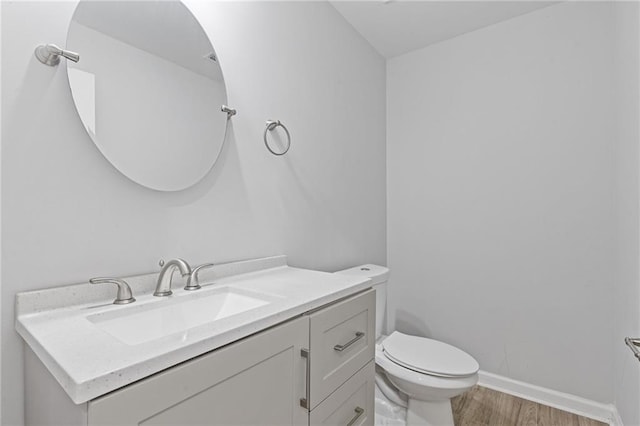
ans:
(304, 402)
(340, 348)
(359, 412)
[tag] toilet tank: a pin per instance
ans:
(379, 276)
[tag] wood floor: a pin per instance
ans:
(482, 406)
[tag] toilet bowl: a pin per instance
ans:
(428, 372)
(418, 373)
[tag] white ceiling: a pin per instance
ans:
(397, 27)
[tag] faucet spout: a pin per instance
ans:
(163, 288)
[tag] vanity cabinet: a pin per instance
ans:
(255, 381)
(317, 368)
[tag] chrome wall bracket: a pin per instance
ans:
(230, 111)
(634, 345)
(49, 54)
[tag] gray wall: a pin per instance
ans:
(501, 192)
(68, 215)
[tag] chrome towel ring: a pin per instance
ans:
(271, 125)
(634, 345)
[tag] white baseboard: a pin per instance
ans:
(574, 404)
(617, 420)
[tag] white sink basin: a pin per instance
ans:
(139, 324)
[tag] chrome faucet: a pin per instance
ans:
(192, 282)
(124, 291)
(163, 288)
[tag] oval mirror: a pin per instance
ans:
(148, 89)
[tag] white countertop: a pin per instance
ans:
(89, 362)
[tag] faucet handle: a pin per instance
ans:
(192, 281)
(124, 295)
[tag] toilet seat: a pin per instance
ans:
(443, 387)
(428, 356)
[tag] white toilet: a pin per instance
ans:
(415, 372)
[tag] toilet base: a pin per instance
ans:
(429, 413)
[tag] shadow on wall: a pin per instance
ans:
(409, 323)
(228, 152)
(35, 89)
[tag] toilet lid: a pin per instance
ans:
(428, 356)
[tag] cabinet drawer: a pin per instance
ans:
(351, 404)
(342, 341)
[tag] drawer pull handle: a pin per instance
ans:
(304, 402)
(355, 418)
(340, 348)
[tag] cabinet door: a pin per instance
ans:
(352, 404)
(342, 342)
(258, 380)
